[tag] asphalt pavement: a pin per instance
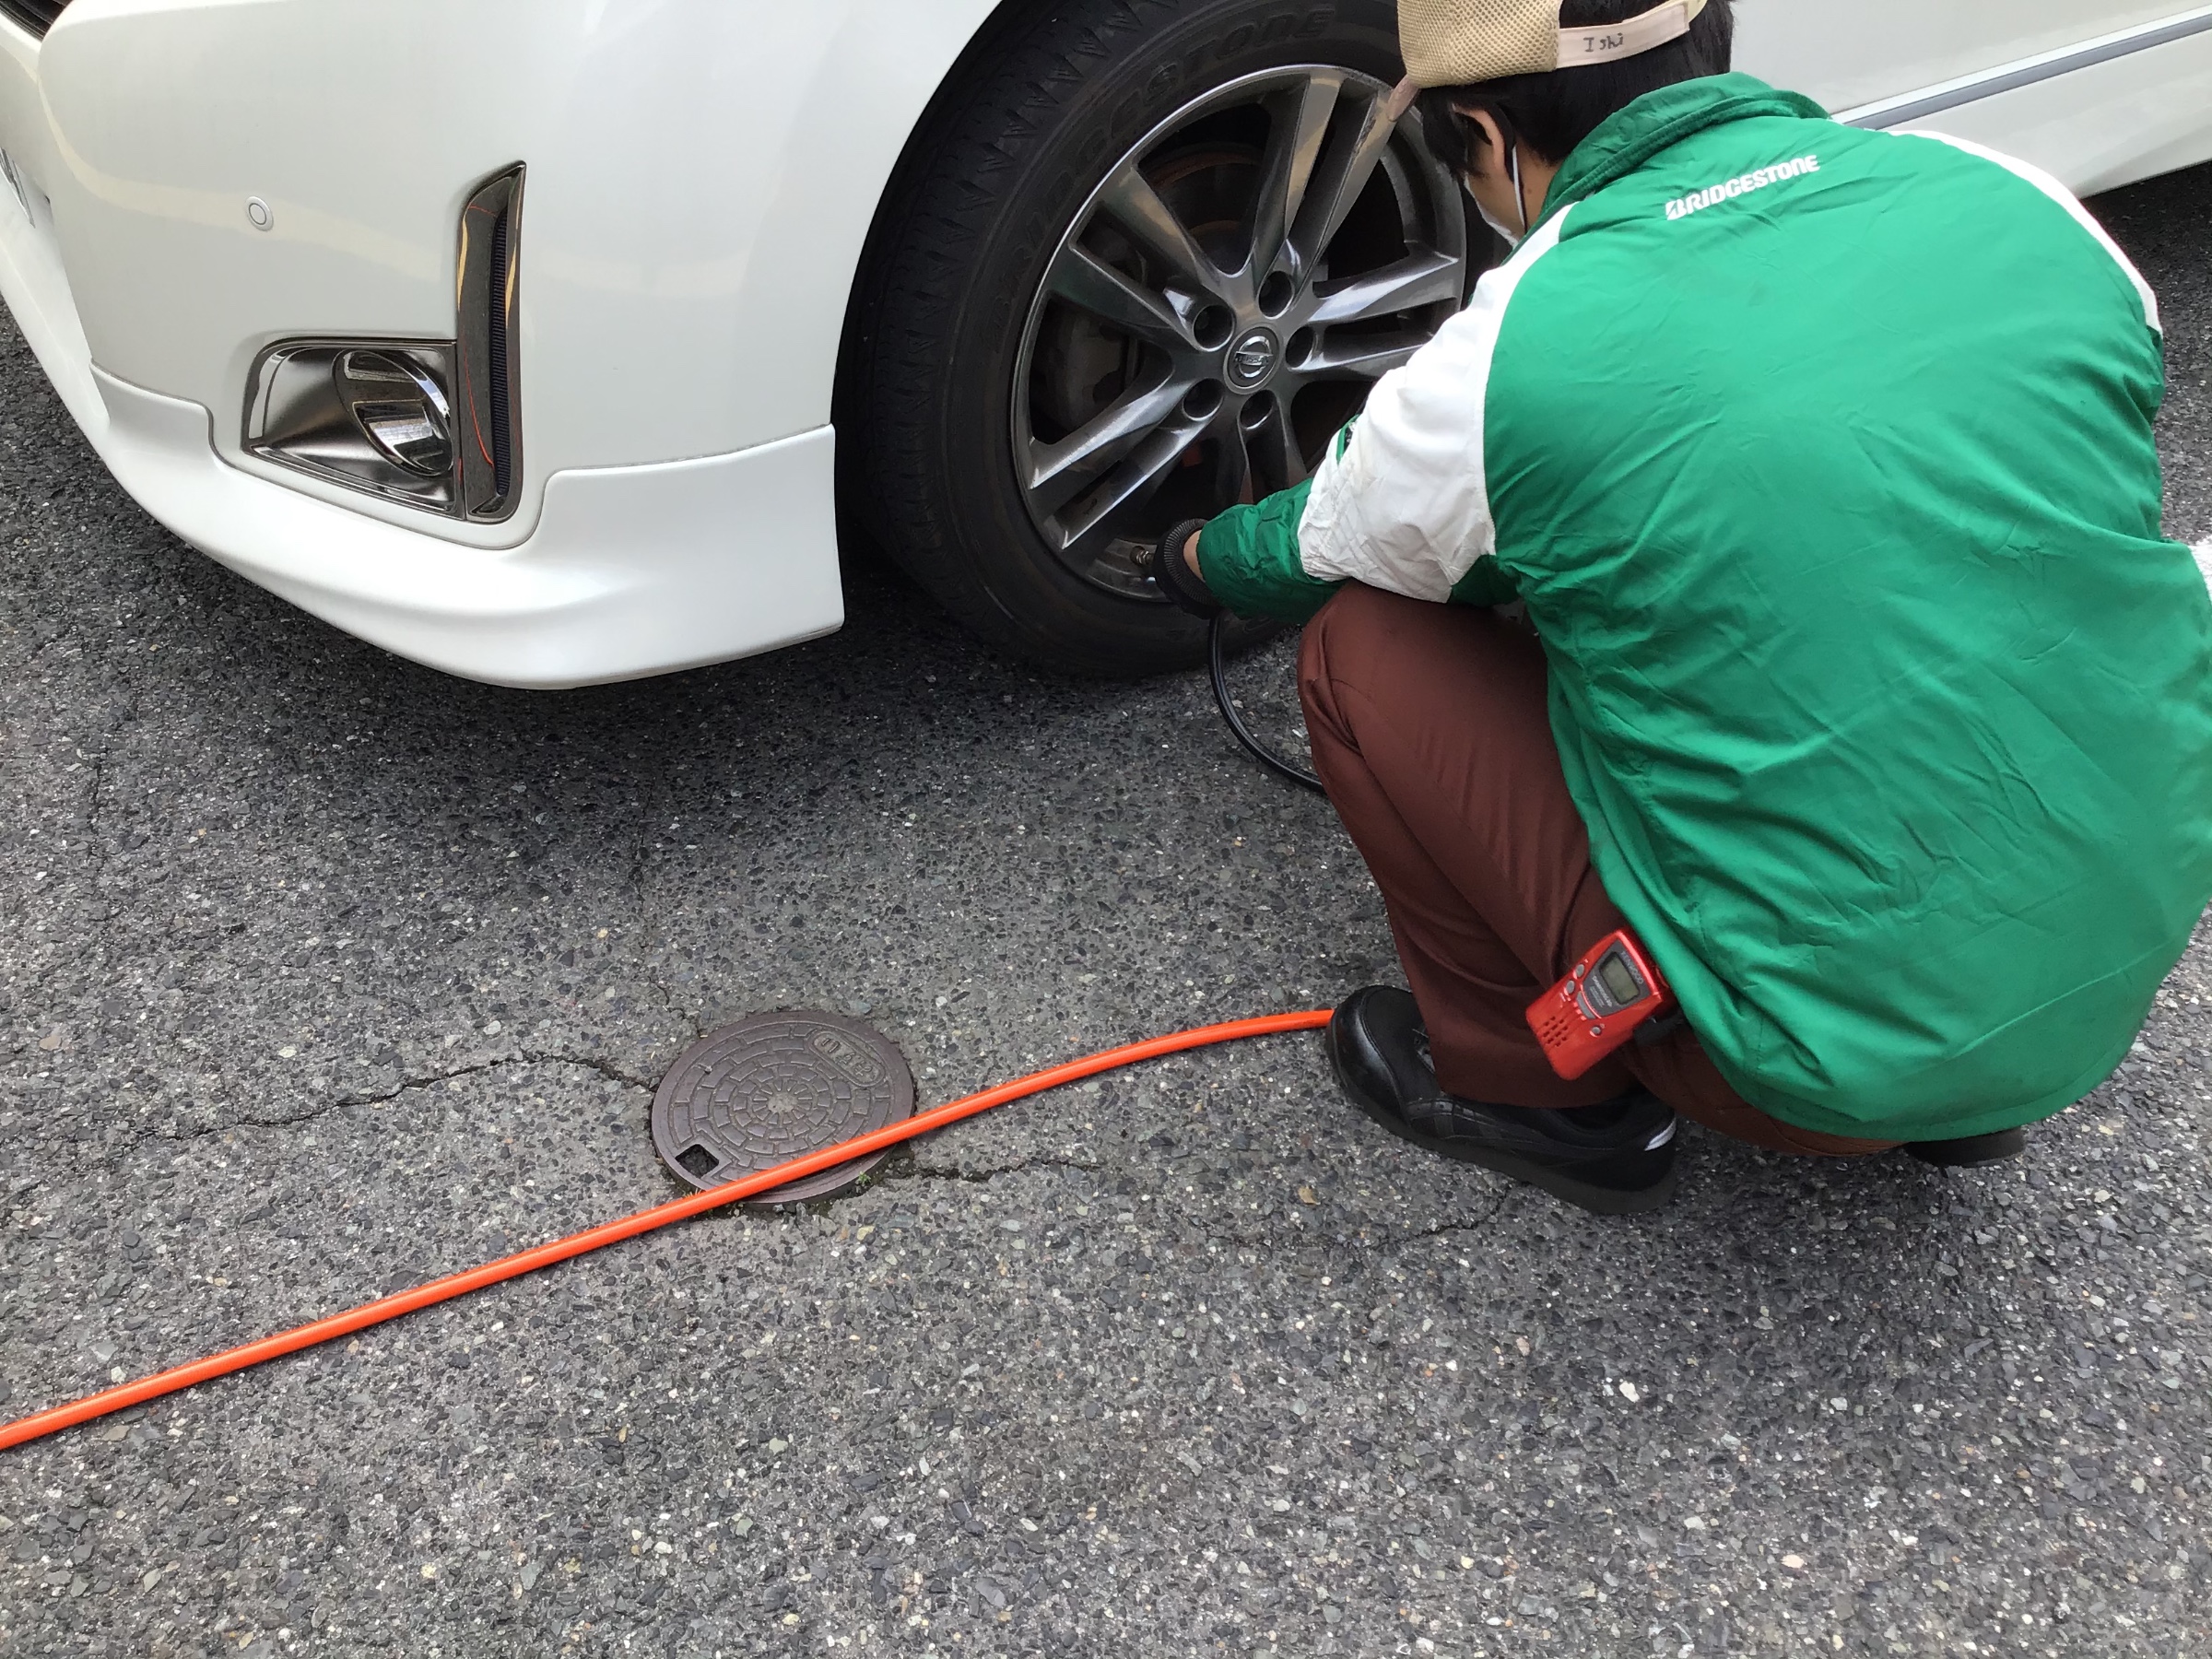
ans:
(321, 974)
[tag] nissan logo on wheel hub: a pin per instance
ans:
(1252, 358)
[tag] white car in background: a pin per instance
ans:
(543, 341)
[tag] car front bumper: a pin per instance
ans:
(627, 571)
(679, 505)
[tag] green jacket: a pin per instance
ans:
(1822, 459)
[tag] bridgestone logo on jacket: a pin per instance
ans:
(1683, 206)
(1887, 707)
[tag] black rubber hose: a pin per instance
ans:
(1217, 659)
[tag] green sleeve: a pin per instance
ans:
(1249, 558)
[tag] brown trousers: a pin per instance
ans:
(1430, 732)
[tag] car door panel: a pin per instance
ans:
(1857, 52)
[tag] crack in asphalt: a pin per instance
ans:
(1442, 1229)
(606, 1068)
(410, 1084)
(901, 1172)
(977, 1177)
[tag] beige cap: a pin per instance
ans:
(1448, 42)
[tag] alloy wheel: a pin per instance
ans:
(1222, 305)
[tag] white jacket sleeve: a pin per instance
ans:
(1405, 505)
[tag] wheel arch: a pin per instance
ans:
(869, 94)
(886, 220)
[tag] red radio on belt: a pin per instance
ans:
(1598, 1007)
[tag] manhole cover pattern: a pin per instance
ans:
(774, 1086)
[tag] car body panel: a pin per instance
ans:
(1853, 53)
(702, 177)
(2096, 126)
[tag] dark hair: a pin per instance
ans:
(1552, 114)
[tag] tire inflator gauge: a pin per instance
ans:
(1598, 1005)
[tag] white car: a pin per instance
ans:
(551, 341)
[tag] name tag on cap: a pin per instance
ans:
(1626, 39)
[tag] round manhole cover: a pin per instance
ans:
(772, 1088)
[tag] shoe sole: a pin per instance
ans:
(1967, 1163)
(1597, 1200)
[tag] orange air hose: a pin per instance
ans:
(124, 1395)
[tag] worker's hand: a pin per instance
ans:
(1174, 571)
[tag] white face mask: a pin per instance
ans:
(1511, 237)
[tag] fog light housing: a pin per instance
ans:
(376, 418)
(389, 416)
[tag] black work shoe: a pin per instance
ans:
(1972, 1152)
(1616, 1159)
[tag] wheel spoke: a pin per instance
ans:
(1422, 277)
(1360, 356)
(1082, 278)
(1131, 202)
(1234, 477)
(1272, 446)
(1058, 472)
(1300, 122)
(1343, 172)
(1131, 484)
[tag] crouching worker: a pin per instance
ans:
(1856, 683)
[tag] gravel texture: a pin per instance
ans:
(321, 974)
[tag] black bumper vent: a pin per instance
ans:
(37, 16)
(490, 286)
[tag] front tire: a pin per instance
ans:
(1140, 262)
